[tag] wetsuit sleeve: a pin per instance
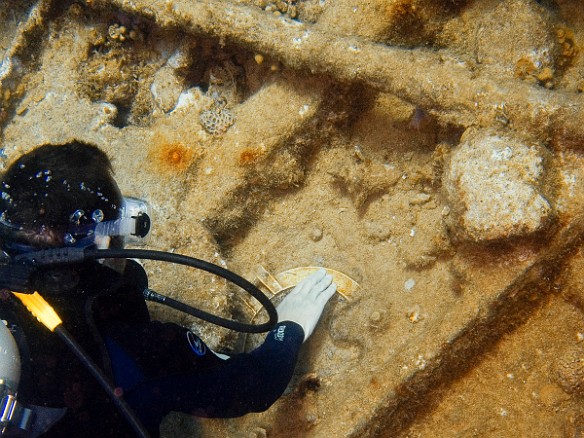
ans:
(245, 383)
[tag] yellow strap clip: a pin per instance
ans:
(42, 310)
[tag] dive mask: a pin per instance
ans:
(133, 225)
(85, 229)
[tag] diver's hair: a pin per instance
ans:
(43, 188)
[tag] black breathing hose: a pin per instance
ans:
(199, 264)
(67, 255)
(118, 401)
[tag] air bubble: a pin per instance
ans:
(69, 239)
(97, 216)
(76, 216)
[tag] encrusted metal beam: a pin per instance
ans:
(453, 91)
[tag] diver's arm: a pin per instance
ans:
(245, 383)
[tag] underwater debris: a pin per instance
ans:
(337, 353)
(569, 372)
(362, 179)
(461, 98)
(494, 183)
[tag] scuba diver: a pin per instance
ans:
(63, 227)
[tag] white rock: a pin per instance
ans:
(166, 88)
(192, 99)
(494, 184)
(180, 58)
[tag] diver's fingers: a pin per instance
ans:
(326, 294)
(322, 284)
(306, 285)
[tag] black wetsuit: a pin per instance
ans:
(161, 367)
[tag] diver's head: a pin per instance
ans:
(53, 189)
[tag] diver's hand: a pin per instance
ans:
(305, 303)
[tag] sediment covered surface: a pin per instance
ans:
(431, 150)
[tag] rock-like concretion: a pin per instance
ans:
(493, 182)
